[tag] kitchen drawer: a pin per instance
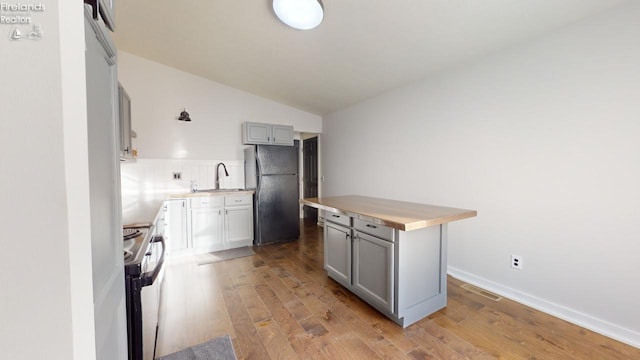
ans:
(231, 200)
(206, 202)
(381, 231)
(337, 218)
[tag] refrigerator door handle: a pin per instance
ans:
(258, 171)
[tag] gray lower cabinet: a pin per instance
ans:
(201, 224)
(238, 221)
(206, 224)
(337, 252)
(400, 273)
(373, 269)
(176, 226)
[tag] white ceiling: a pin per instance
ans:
(362, 48)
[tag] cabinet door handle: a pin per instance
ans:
(372, 226)
(336, 216)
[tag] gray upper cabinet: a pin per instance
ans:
(256, 133)
(124, 117)
(267, 134)
(282, 135)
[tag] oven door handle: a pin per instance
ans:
(149, 277)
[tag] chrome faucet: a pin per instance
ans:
(226, 173)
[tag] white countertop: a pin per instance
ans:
(218, 192)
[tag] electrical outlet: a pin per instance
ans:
(516, 262)
(177, 176)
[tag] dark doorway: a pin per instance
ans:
(310, 176)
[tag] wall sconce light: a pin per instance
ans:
(184, 116)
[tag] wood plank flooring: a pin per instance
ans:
(280, 304)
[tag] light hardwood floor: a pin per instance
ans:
(280, 304)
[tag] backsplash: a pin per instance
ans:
(148, 182)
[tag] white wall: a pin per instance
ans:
(159, 93)
(146, 183)
(46, 301)
(543, 140)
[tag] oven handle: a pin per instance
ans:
(149, 277)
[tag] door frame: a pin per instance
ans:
(303, 137)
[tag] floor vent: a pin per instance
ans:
(481, 292)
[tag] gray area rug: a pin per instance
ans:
(209, 258)
(219, 348)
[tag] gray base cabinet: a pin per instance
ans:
(238, 221)
(373, 269)
(176, 226)
(337, 252)
(202, 224)
(206, 224)
(400, 273)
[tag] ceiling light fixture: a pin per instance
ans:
(299, 14)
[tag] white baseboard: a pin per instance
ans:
(607, 329)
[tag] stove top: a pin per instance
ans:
(135, 242)
(130, 233)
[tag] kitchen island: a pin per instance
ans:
(392, 254)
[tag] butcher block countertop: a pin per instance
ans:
(405, 216)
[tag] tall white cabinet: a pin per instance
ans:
(104, 186)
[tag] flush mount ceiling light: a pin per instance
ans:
(299, 14)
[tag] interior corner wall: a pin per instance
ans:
(37, 287)
(542, 139)
(159, 93)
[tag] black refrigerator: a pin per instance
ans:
(272, 171)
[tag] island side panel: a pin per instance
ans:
(421, 270)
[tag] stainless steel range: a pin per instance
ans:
(144, 251)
